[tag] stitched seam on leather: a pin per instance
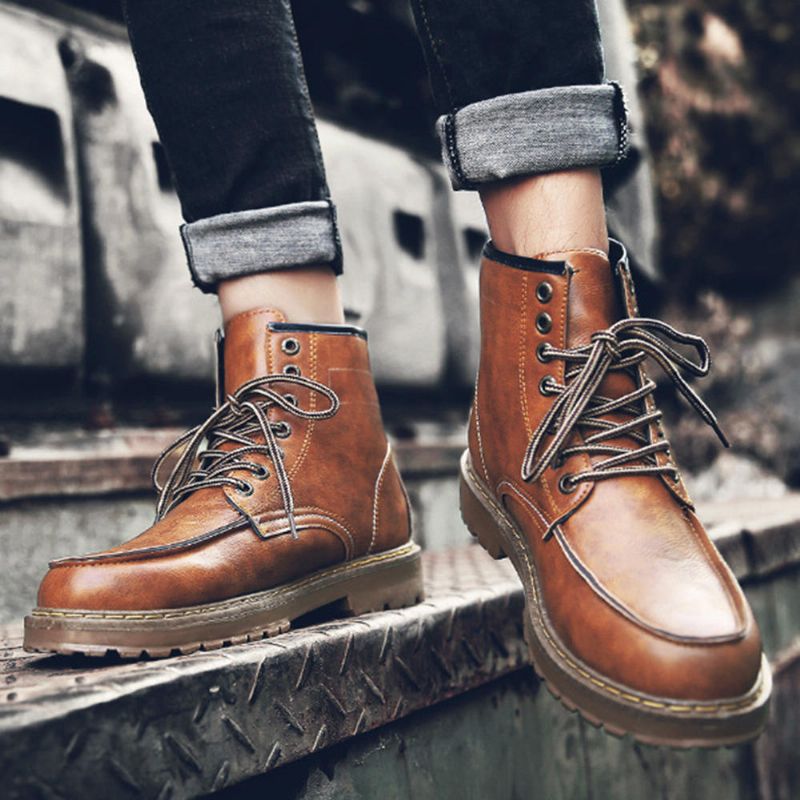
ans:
(478, 427)
(125, 555)
(347, 542)
(712, 561)
(325, 513)
(590, 250)
(597, 586)
(715, 708)
(522, 358)
(136, 556)
(376, 496)
(301, 456)
(349, 566)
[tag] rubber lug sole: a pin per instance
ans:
(388, 580)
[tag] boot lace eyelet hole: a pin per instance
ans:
(291, 399)
(544, 292)
(544, 322)
(566, 485)
(262, 473)
(282, 429)
(290, 346)
(245, 489)
(291, 369)
(542, 352)
(546, 385)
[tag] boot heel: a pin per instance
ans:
(396, 587)
(480, 522)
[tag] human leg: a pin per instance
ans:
(287, 497)
(225, 84)
(631, 615)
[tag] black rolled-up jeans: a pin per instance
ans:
(519, 85)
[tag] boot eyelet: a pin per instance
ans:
(544, 292)
(546, 385)
(544, 322)
(566, 485)
(261, 474)
(541, 353)
(283, 430)
(290, 398)
(245, 489)
(290, 346)
(291, 369)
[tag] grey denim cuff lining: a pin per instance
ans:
(530, 133)
(248, 242)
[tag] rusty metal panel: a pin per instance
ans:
(41, 284)
(776, 753)
(190, 725)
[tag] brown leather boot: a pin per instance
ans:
(632, 616)
(295, 503)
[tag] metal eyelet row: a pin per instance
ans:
(544, 324)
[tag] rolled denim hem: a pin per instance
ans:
(265, 239)
(530, 133)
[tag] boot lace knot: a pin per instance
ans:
(238, 429)
(579, 406)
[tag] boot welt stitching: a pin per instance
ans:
(522, 357)
(713, 708)
(404, 550)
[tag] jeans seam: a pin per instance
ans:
(452, 150)
(204, 287)
(336, 264)
(621, 119)
(436, 53)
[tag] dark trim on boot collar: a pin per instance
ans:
(616, 253)
(523, 262)
(302, 327)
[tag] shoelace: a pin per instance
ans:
(622, 346)
(241, 419)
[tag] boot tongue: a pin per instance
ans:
(246, 354)
(593, 303)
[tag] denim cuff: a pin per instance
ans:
(529, 133)
(265, 239)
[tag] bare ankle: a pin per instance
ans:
(305, 294)
(547, 215)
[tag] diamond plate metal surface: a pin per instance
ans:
(180, 727)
